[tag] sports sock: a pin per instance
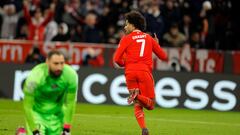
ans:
(148, 103)
(139, 114)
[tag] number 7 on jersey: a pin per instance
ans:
(142, 41)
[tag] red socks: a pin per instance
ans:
(148, 103)
(139, 114)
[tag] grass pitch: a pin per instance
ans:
(118, 120)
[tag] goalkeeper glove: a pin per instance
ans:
(21, 131)
(36, 132)
(66, 129)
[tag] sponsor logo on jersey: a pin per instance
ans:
(54, 86)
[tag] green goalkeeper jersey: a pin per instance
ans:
(45, 94)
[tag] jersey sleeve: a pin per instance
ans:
(161, 54)
(71, 97)
(118, 56)
(30, 86)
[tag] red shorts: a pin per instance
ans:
(141, 80)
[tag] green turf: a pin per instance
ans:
(118, 120)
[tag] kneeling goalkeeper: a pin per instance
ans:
(50, 97)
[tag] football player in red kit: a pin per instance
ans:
(134, 54)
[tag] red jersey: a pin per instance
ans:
(135, 51)
(36, 32)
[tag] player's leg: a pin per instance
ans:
(146, 102)
(146, 87)
(139, 114)
(146, 96)
(132, 85)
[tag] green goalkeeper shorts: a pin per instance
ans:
(49, 124)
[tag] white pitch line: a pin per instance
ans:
(153, 119)
(161, 119)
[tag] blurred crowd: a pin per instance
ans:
(198, 23)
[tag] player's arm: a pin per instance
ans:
(29, 87)
(161, 54)
(70, 101)
(118, 60)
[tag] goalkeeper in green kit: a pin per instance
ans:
(50, 93)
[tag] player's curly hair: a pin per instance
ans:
(137, 19)
(54, 52)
